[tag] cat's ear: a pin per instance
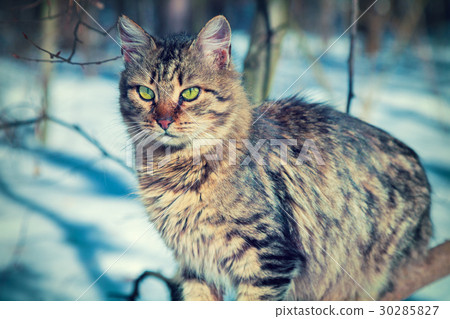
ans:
(214, 42)
(135, 42)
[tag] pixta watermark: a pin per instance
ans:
(152, 152)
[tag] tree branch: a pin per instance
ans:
(76, 40)
(415, 276)
(98, 30)
(354, 15)
(56, 57)
(69, 62)
(263, 7)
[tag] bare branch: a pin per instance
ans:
(76, 40)
(354, 15)
(69, 62)
(56, 57)
(98, 30)
(265, 12)
(415, 276)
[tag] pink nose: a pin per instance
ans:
(164, 123)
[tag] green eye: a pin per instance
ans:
(190, 94)
(146, 93)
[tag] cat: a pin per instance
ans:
(337, 226)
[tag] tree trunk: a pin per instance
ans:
(49, 32)
(269, 27)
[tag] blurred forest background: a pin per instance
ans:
(70, 224)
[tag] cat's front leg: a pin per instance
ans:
(263, 268)
(193, 288)
(264, 289)
(196, 290)
(267, 276)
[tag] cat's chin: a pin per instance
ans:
(173, 140)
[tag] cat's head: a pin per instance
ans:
(180, 87)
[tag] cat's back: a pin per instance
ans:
(337, 136)
(346, 147)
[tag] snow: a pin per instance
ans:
(77, 230)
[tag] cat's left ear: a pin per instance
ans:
(214, 42)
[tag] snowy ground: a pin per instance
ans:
(79, 218)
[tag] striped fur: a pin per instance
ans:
(272, 231)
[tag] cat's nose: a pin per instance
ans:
(164, 122)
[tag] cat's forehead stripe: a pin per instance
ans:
(169, 63)
(168, 70)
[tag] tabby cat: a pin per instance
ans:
(332, 221)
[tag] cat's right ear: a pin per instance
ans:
(214, 42)
(135, 42)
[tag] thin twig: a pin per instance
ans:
(98, 30)
(76, 40)
(354, 15)
(57, 58)
(69, 62)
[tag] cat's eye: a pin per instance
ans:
(190, 94)
(146, 93)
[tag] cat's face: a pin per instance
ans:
(180, 88)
